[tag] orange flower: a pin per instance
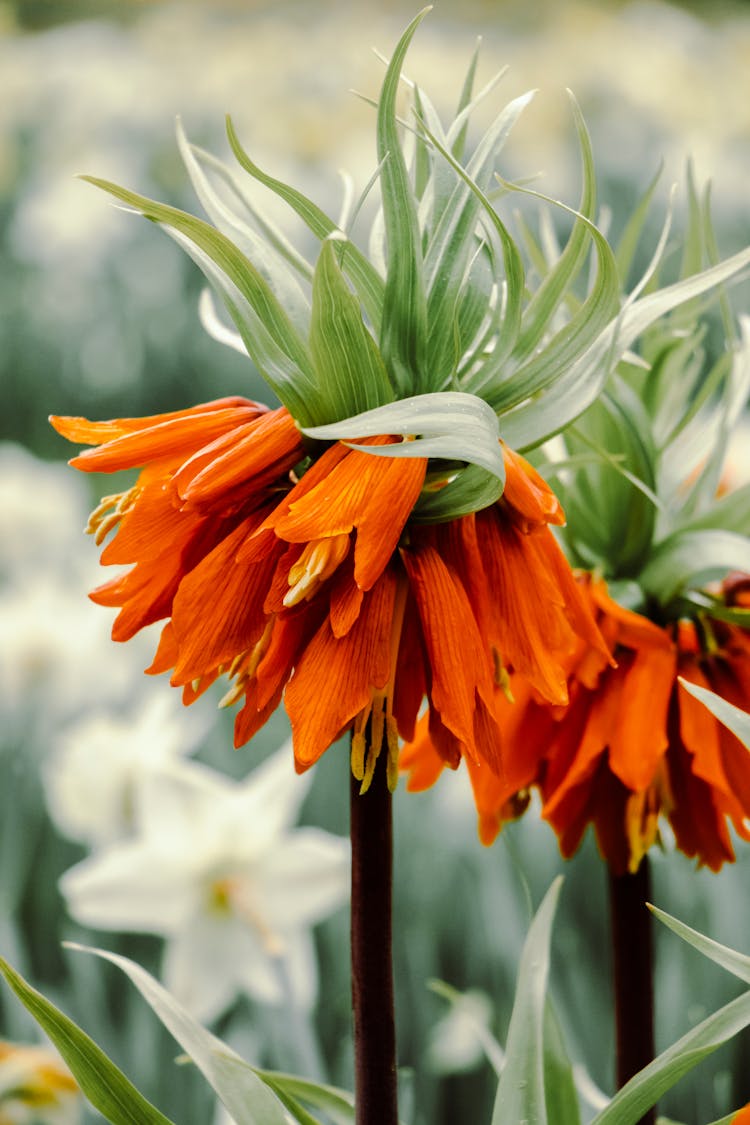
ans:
(632, 745)
(307, 577)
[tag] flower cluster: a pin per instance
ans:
(282, 570)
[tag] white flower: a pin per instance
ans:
(216, 870)
(457, 1041)
(36, 1088)
(91, 781)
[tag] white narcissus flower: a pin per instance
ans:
(217, 870)
(91, 779)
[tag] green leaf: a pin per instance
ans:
(453, 241)
(248, 1099)
(365, 278)
(337, 1104)
(105, 1086)
(513, 264)
(520, 1093)
(273, 343)
(450, 425)
(692, 558)
(470, 489)
(549, 411)
(628, 243)
(561, 1098)
(734, 718)
(403, 335)
(351, 374)
(631, 1102)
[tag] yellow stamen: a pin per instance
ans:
(378, 715)
(317, 562)
(245, 665)
(100, 524)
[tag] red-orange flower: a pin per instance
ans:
(632, 745)
(306, 577)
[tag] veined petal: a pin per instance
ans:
(638, 739)
(336, 676)
(459, 662)
(261, 452)
(85, 432)
(375, 497)
(178, 436)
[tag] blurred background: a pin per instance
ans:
(98, 316)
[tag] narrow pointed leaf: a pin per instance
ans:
(738, 722)
(520, 1093)
(104, 1084)
(365, 278)
(549, 411)
(228, 258)
(693, 558)
(249, 1101)
(403, 333)
(351, 374)
(638, 1095)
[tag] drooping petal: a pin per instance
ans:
(335, 676)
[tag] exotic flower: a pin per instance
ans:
(633, 745)
(285, 570)
(36, 1087)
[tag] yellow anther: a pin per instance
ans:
(318, 561)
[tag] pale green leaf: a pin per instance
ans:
(248, 1099)
(450, 425)
(520, 1093)
(452, 242)
(692, 558)
(269, 335)
(105, 1086)
(365, 278)
(546, 413)
(630, 237)
(631, 1102)
(351, 374)
(403, 334)
(738, 722)
(559, 1083)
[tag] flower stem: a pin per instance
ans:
(372, 970)
(633, 974)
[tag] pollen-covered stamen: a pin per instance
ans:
(108, 513)
(245, 665)
(375, 724)
(317, 562)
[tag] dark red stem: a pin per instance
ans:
(372, 970)
(632, 944)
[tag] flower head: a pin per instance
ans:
(215, 867)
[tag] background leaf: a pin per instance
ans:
(105, 1086)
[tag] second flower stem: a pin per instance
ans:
(632, 945)
(371, 944)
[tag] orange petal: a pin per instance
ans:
(527, 494)
(335, 676)
(373, 494)
(180, 435)
(460, 664)
(638, 739)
